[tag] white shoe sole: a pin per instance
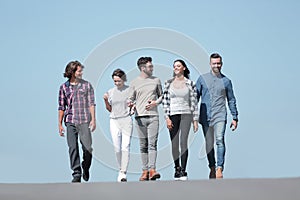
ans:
(183, 178)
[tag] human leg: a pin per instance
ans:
(141, 128)
(143, 139)
(185, 125)
(116, 139)
(86, 142)
(209, 142)
(174, 136)
(219, 129)
(125, 145)
(72, 141)
(152, 130)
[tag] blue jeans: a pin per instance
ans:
(216, 131)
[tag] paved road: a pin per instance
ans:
(231, 189)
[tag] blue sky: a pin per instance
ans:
(259, 43)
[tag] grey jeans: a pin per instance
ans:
(147, 128)
(73, 130)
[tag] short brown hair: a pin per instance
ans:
(120, 73)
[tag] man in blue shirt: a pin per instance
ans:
(215, 88)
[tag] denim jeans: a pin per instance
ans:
(83, 131)
(216, 131)
(147, 128)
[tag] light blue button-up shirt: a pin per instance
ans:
(214, 91)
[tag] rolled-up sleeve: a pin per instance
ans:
(91, 96)
(61, 99)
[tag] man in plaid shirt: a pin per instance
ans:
(77, 108)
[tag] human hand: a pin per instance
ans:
(61, 130)
(92, 125)
(105, 96)
(169, 123)
(233, 125)
(131, 110)
(151, 104)
(195, 126)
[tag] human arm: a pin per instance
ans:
(159, 93)
(166, 104)
(169, 123)
(199, 87)
(60, 120)
(92, 125)
(194, 105)
(232, 105)
(61, 110)
(131, 100)
(107, 104)
(195, 126)
(91, 103)
(234, 125)
(194, 101)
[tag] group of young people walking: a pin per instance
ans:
(179, 99)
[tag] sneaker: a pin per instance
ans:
(184, 176)
(122, 177)
(76, 179)
(86, 175)
(219, 173)
(212, 174)
(177, 174)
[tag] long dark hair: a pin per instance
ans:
(186, 72)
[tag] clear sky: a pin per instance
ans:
(259, 42)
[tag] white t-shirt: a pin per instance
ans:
(118, 99)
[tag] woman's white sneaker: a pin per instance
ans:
(122, 177)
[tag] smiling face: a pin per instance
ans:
(147, 69)
(118, 81)
(178, 68)
(78, 73)
(216, 65)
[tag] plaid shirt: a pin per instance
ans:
(193, 98)
(75, 101)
